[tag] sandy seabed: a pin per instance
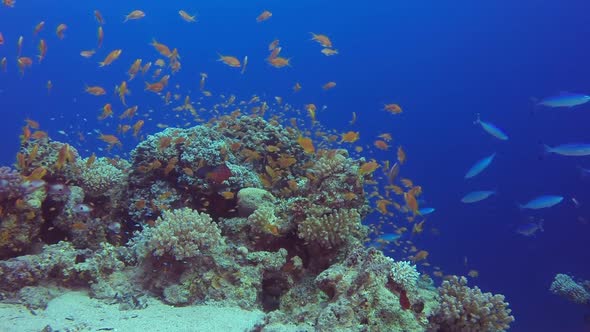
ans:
(76, 311)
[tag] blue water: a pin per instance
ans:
(442, 61)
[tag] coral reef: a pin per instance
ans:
(565, 286)
(234, 212)
(468, 309)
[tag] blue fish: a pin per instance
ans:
(571, 150)
(491, 129)
(476, 196)
(564, 99)
(425, 211)
(529, 229)
(385, 240)
(479, 166)
(542, 202)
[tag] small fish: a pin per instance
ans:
(229, 60)
(39, 27)
(329, 52)
(82, 208)
(491, 129)
(529, 229)
(322, 40)
(244, 65)
(571, 150)
(542, 202)
(393, 173)
(479, 166)
(114, 55)
(564, 99)
(329, 85)
(87, 54)
(476, 196)
(59, 31)
(59, 190)
(98, 17)
(1, 39)
(134, 15)
(425, 211)
(185, 16)
(264, 16)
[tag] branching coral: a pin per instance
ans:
(564, 286)
(100, 177)
(182, 233)
(332, 229)
(405, 275)
(468, 309)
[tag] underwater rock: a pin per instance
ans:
(250, 199)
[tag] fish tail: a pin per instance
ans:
(547, 148)
(477, 119)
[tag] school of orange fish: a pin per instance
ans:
(386, 190)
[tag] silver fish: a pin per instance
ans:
(479, 166)
(571, 150)
(476, 196)
(565, 99)
(542, 202)
(491, 129)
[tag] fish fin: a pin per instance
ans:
(477, 119)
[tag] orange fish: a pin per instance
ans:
(114, 55)
(411, 202)
(134, 15)
(185, 16)
(122, 91)
(39, 27)
(8, 3)
(401, 155)
(154, 87)
(134, 69)
(59, 31)
(382, 145)
(42, 50)
(420, 255)
(306, 144)
(275, 53)
(137, 127)
(98, 17)
(95, 90)
(129, 113)
(329, 85)
(229, 60)
(280, 62)
(163, 49)
(368, 167)
(350, 137)
(1, 39)
(111, 140)
(23, 62)
(100, 36)
(65, 156)
(273, 45)
(265, 15)
(322, 40)
(87, 54)
(146, 68)
(393, 108)
(32, 123)
(296, 87)
(328, 51)
(49, 86)
(107, 111)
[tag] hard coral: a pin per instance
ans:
(468, 309)
(10, 184)
(100, 177)
(566, 287)
(331, 230)
(181, 234)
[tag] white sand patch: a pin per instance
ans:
(75, 311)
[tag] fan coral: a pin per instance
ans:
(566, 287)
(468, 309)
(330, 230)
(405, 275)
(10, 183)
(182, 233)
